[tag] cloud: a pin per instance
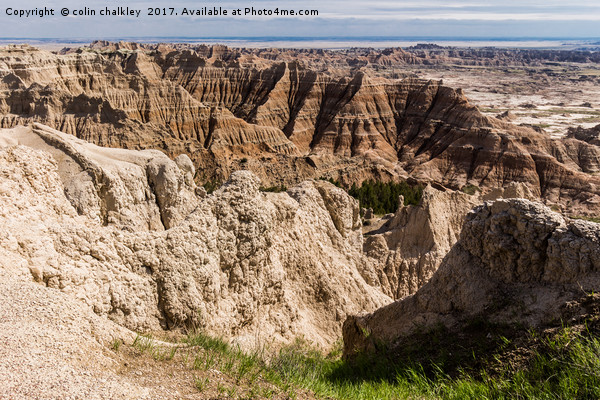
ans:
(336, 18)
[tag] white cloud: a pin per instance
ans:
(336, 18)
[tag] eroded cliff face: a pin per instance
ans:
(421, 54)
(253, 266)
(286, 120)
(516, 262)
(410, 246)
(591, 135)
(130, 235)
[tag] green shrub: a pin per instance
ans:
(383, 197)
(211, 186)
(586, 218)
(274, 189)
(470, 189)
(332, 181)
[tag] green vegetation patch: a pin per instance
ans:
(470, 189)
(274, 189)
(481, 363)
(573, 111)
(383, 197)
(332, 181)
(586, 218)
(484, 361)
(211, 186)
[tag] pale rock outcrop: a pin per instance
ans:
(255, 267)
(514, 190)
(55, 347)
(515, 262)
(409, 247)
(42, 234)
(141, 190)
(344, 212)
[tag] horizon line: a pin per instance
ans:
(375, 37)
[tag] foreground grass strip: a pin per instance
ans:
(564, 365)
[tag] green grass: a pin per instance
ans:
(470, 189)
(332, 181)
(211, 186)
(436, 364)
(146, 344)
(201, 383)
(274, 189)
(116, 344)
(573, 111)
(584, 218)
(493, 110)
(564, 366)
(588, 120)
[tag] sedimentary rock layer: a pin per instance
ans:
(287, 121)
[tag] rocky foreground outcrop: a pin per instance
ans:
(258, 267)
(130, 235)
(516, 262)
(288, 120)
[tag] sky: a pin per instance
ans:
(424, 18)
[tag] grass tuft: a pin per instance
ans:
(274, 189)
(510, 363)
(201, 384)
(116, 344)
(146, 344)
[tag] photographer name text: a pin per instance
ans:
(41, 12)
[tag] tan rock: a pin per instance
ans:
(137, 190)
(515, 262)
(513, 190)
(288, 118)
(408, 249)
(258, 268)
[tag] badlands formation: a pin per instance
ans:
(98, 243)
(516, 262)
(289, 119)
(130, 234)
(105, 229)
(150, 253)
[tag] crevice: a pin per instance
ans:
(325, 116)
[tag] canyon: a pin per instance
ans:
(107, 230)
(130, 234)
(287, 121)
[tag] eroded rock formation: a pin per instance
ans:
(287, 120)
(128, 234)
(260, 267)
(516, 262)
(591, 135)
(410, 246)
